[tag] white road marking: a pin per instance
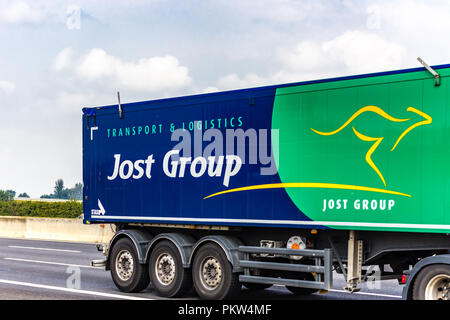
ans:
(47, 249)
(368, 294)
(77, 291)
(55, 263)
(362, 293)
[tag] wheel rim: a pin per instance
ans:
(165, 269)
(211, 273)
(438, 288)
(124, 265)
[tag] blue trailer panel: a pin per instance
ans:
(146, 130)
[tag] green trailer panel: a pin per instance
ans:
(368, 154)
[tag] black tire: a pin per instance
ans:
(167, 274)
(432, 283)
(213, 275)
(303, 291)
(256, 286)
(126, 271)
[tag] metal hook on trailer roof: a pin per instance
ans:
(434, 73)
(120, 106)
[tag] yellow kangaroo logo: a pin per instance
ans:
(378, 140)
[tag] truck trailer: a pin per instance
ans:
(285, 184)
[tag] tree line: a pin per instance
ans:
(6, 195)
(59, 192)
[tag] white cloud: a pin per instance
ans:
(353, 52)
(421, 26)
(63, 59)
(210, 90)
(374, 20)
(154, 74)
(73, 102)
(361, 52)
(7, 86)
(306, 56)
(20, 12)
(97, 64)
(410, 16)
(250, 80)
(70, 101)
(233, 81)
(281, 11)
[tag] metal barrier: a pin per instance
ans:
(322, 269)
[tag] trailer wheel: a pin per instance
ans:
(213, 274)
(432, 283)
(167, 274)
(126, 271)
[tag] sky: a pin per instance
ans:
(57, 57)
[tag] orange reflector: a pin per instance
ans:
(295, 246)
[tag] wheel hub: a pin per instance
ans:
(211, 273)
(124, 265)
(165, 269)
(438, 288)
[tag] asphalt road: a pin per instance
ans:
(48, 270)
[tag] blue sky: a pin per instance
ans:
(59, 56)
